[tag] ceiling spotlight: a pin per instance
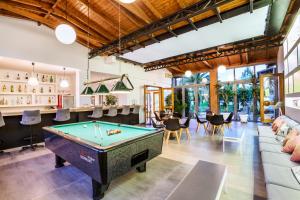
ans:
(188, 73)
(127, 1)
(221, 69)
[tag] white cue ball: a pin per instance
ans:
(84, 126)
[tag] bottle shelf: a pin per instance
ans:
(13, 81)
(27, 105)
(46, 94)
(16, 93)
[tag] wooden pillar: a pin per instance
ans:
(214, 100)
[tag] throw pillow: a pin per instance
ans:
(293, 133)
(283, 130)
(291, 144)
(296, 154)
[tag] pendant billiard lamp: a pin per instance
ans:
(120, 87)
(88, 90)
(102, 90)
(33, 81)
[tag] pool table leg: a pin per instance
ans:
(59, 162)
(141, 168)
(98, 189)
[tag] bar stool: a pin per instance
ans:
(62, 115)
(97, 113)
(2, 123)
(136, 109)
(124, 115)
(31, 118)
(111, 115)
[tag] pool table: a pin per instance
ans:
(102, 156)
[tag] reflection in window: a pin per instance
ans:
(291, 84)
(292, 60)
(294, 33)
(296, 81)
(244, 73)
(228, 75)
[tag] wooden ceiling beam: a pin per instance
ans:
(127, 14)
(228, 60)
(207, 64)
(29, 8)
(181, 3)
(155, 12)
(103, 17)
(42, 20)
(52, 8)
(135, 10)
(218, 13)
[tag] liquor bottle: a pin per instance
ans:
(6, 102)
(42, 90)
(25, 88)
(4, 88)
(50, 89)
(7, 75)
(37, 77)
(33, 90)
(43, 78)
(12, 88)
(18, 77)
(26, 76)
(18, 101)
(51, 79)
(20, 88)
(49, 100)
(21, 100)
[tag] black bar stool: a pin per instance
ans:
(31, 118)
(111, 115)
(2, 123)
(62, 115)
(124, 115)
(97, 113)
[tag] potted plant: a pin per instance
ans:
(111, 100)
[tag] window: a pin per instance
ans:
(286, 67)
(228, 75)
(244, 73)
(292, 60)
(294, 33)
(296, 81)
(291, 84)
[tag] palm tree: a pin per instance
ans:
(195, 78)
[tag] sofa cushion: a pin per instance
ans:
(296, 154)
(291, 144)
(280, 159)
(279, 175)
(291, 123)
(276, 192)
(293, 133)
(276, 148)
(275, 140)
(265, 131)
(283, 130)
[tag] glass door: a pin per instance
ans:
(189, 101)
(203, 100)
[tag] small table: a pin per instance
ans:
(233, 137)
(103, 157)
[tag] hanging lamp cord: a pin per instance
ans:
(88, 42)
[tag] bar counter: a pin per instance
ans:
(13, 133)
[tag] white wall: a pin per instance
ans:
(26, 40)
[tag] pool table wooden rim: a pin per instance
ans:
(95, 145)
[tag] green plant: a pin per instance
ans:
(225, 92)
(179, 106)
(111, 100)
(168, 100)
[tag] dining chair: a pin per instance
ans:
(217, 121)
(172, 126)
(156, 125)
(177, 114)
(157, 117)
(228, 121)
(200, 122)
(185, 126)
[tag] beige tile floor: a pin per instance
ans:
(245, 179)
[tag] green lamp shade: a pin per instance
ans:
(120, 87)
(87, 91)
(102, 89)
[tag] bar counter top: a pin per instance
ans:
(49, 111)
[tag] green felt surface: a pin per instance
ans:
(88, 131)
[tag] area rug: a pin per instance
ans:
(37, 179)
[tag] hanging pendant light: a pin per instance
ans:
(64, 32)
(188, 73)
(32, 81)
(64, 83)
(102, 90)
(127, 1)
(88, 90)
(120, 87)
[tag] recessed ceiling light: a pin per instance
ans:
(127, 1)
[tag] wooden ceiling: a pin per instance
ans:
(104, 15)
